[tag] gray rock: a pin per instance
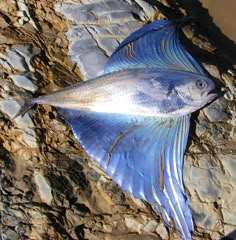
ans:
(18, 213)
(11, 108)
(133, 224)
(16, 60)
(10, 220)
(24, 80)
(26, 134)
(91, 44)
(19, 57)
(217, 111)
(229, 184)
(9, 234)
(211, 187)
(150, 226)
(162, 231)
(108, 11)
(201, 178)
(24, 13)
(205, 216)
(43, 188)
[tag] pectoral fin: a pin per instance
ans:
(144, 155)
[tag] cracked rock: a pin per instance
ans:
(49, 187)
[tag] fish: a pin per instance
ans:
(139, 92)
(134, 119)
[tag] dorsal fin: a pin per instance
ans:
(155, 45)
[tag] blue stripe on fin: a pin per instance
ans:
(140, 153)
(155, 45)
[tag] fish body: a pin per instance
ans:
(140, 92)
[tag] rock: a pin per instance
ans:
(10, 107)
(211, 189)
(43, 188)
(150, 226)
(132, 224)
(10, 220)
(212, 69)
(19, 57)
(91, 45)
(26, 134)
(70, 197)
(202, 126)
(24, 13)
(216, 111)
(24, 80)
(230, 82)
(9, 234)
(201, 178)
(229, 96)
(162, 232)
(229, 231)
(205, 215)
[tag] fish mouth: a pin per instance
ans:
(211, 95)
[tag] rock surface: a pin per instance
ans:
(49, 188)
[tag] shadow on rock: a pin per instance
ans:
(230, 236)
(214, 33)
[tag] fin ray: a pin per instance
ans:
(155, 45)
(140, 154)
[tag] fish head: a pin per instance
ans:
(196, 90)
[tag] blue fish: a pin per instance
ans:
(134, 120)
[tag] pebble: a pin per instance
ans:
(132, 224)
(229, 96)
(212, 69)
(150, 226)
(162, 232)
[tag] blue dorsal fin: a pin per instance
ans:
(144, 155)
(155, 45)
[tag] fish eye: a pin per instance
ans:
(200, 84)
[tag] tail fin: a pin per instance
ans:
(29, 103)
